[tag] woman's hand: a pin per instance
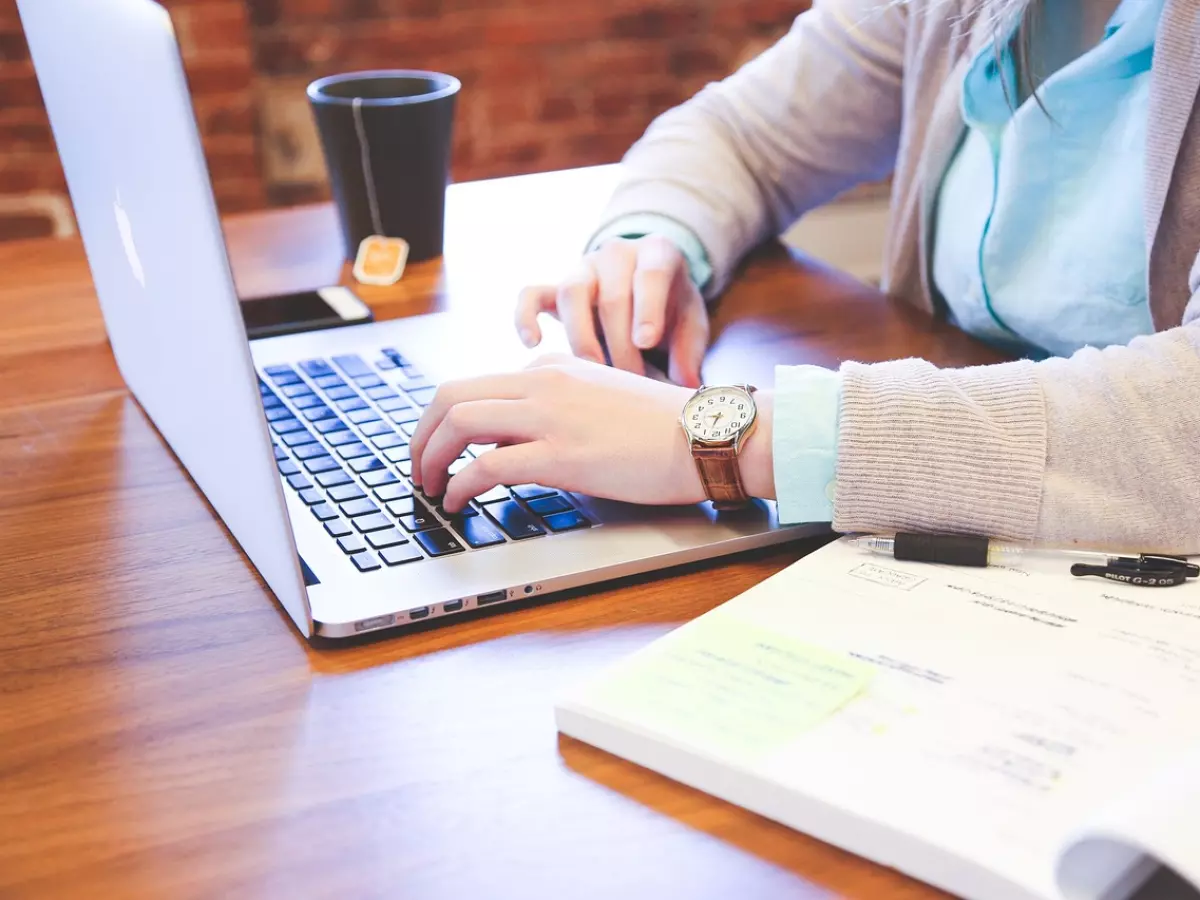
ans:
(640, 295)
(573, 425)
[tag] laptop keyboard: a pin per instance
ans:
(341, 428)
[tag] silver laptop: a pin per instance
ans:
(300, 442)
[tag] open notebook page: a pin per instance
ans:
(962, 725)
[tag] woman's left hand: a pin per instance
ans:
(562, 423)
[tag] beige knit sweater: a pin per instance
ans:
(1102, 449)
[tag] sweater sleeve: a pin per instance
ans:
(814, 115)
(1098, 450)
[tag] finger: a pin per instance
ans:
(516, 464)
(615, 305)
(659, 263)
(507, 386)
(476, 422)
(532, 302)
(575, 301)
(689, 342)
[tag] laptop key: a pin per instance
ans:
(354, 451)
(351, 543)
(532, 491)
(280, 453)
(316, 368)
(342, 392)
(286, 426)
(338, 438)
(390, 538)
(403, 417)
(365, 561)
(375, 522)
(275, 413)
(298, 482)
(439, 542)
(337, 528)
(466, 512)
(478, 532)
(389, 440)
(344, 492)
(372, 429)
(398, 556)
(545, 506)
(321, 464)
(317, 413)
(383, 392)
(422, 396)
(308, 451)
(409, 428)
(296, 438)
(283, 369)
(352, 405)
(368, 381)
(495, 495)
(328, 426)
(514, 520)
(397, 454)
(329, 382)
(567, 521)
(391, 404)
(420, 519)
(362, 416)
(405, 468)
(396, 491)
(378, 477)
(360, 507)
(366, 464)
(405, 506)
(324, 512)
(333, 478)
(352, 365)
(306, 400)
(288, 467)
(311, 496)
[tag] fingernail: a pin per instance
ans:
(526, 337)
(644, 337)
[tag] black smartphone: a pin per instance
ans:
(327, 307)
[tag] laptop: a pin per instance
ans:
(300, 442)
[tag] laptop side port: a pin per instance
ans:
(452, 605)
(491, 597)
(418, 613)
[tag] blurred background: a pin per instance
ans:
(547, 84)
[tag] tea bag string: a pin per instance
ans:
(368, 175)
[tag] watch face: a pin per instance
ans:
(718, 413)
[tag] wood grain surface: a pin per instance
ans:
(164, 731)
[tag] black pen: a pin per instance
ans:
(1143, 570)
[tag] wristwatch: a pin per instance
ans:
(717, 421)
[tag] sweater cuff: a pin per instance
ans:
(804, 442)
(941, 450)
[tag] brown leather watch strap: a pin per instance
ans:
(721, 476)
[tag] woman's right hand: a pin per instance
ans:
(633, 295)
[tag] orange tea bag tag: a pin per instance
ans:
(380, 260)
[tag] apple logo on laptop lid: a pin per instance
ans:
(125, 227)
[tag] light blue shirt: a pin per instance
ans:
(1038, 245)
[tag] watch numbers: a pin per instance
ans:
(718, 416)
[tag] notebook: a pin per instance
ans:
(1002, 733)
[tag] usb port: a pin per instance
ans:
(452, 606)
(493, 597)
(418, 613)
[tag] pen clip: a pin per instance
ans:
(1146, 570)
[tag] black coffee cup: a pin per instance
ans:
(386, 136)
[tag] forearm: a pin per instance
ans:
(1100, 449)
(812, 116)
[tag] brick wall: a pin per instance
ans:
(546, 84)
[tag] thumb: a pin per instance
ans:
(532, 302)
(689, 342)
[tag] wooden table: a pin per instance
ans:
(165, 733)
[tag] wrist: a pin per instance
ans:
(756, 458)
